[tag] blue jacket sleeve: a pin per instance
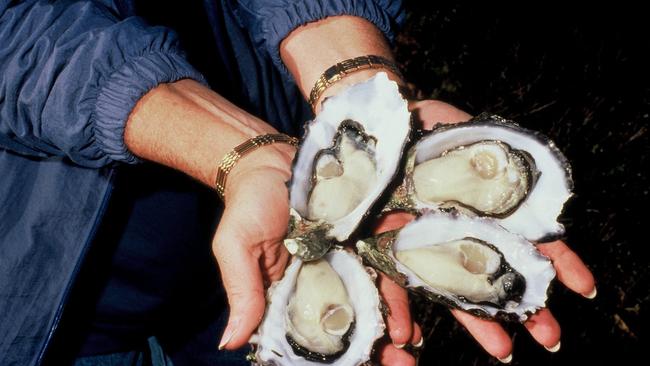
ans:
(270, 21)
(70, 74)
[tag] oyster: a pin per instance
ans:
(323, 311)
(470, 263)
(349, 155)
(489, 167)
(319, 313)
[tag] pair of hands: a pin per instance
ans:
(248, 247)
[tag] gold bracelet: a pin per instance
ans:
(343, 68)
(229, 160)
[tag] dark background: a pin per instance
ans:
(579, 75)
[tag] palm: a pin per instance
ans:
(248, 247)
(260, 221)
(570, 269)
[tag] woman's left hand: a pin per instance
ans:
(571, 271)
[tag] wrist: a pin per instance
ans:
(352, 78)
(274, 160)
(188, 127)
(311, 49)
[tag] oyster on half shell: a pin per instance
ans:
(470, 263)
(325, 311)
(350, 153)
(489, 167)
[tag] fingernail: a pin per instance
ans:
(396, 333)
(554, 348)
(506, 359)
(420, 343)
(592, 294)
(230, 331)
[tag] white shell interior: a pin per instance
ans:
(536, 217)
(272, 345)
(379, 107)
(438, 227)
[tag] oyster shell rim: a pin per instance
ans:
(300, 226)
(378, 252)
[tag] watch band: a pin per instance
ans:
(346, 67)
(230, 159)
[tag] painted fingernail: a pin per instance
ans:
(420, 343)
(554, 348)
(228, 334)
(506, 359)
(396, 333)
(592, 294)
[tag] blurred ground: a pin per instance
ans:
(580, 76)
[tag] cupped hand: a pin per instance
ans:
(571, 271)
(248, 247)
(402, 330)
(248, 241)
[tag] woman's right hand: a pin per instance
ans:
(248, 243)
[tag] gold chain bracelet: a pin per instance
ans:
(343, 68)
(231, 158)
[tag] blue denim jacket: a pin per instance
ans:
(70, 73)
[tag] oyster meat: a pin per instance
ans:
(349, 155)
(343, 177)
(487, 176)
(325, 311)
(319, 313)
(470, 263)
(489, 167)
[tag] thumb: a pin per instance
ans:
(242, 280)
(430, 112)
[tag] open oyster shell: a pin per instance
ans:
(470, 263)
(489, 167)
(326, 311)
(349, 155)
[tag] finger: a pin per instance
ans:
(545, 329)
(431, 112)
(390, 355)
(571, 271)
(392, 221)
(489, 334)
(274, 261)
(416, 339)
(242, 281)
(399, 323)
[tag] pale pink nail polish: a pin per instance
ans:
(554, 348)
(228, 334)
(506, 359)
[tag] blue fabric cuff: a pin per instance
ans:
(121, 91)
(276, 22)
